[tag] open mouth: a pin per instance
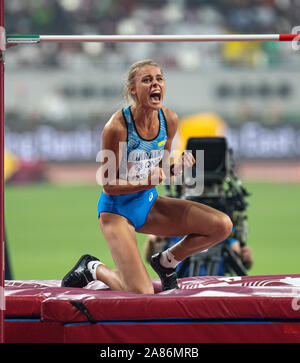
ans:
(155, 96)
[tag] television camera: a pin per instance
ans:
(222, 190)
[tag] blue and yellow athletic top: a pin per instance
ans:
(141, 155)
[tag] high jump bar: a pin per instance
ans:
(31, 39)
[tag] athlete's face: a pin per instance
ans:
(149, 88)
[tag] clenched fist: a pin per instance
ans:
(186, 160)
(156, 176)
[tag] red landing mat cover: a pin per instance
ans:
(203, 309)
(208, 297)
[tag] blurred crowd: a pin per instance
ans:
(152, 17)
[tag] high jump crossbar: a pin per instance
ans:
(31, 39)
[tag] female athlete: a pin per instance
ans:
(139, 136)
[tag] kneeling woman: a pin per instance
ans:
(129, 203)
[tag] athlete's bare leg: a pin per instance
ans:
(131, 275)
(203, 225)
(110, 277)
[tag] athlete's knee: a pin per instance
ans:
(144, 290)
(140, 289)
(222, 226)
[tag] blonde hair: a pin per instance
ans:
(130, 77)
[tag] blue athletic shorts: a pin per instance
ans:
(135, 207)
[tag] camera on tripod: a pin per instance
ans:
(224, 191)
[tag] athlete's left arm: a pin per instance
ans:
(186, 159)
(172, 124)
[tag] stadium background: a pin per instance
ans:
(59, 96)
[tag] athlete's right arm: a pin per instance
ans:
(114, 137)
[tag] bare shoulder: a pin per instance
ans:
(171, 119)
(115, 128)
